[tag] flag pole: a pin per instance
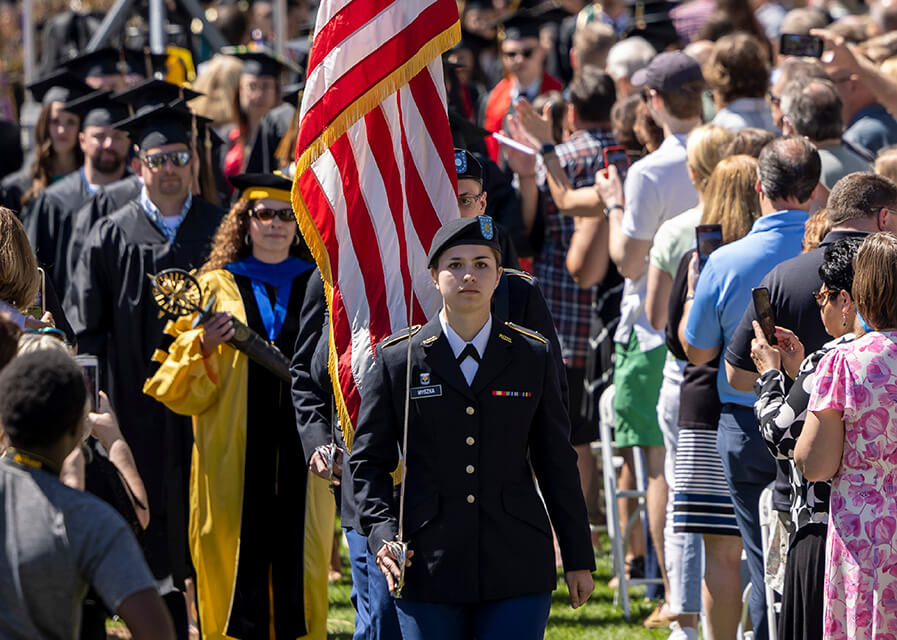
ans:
(399, 546)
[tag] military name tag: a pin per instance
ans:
(431, 391)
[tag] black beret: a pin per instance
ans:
(477, 230)
(467, 166)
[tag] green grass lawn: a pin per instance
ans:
(598, 618)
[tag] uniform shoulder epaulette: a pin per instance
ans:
(535, 335)
(401, 335)
(519, 274)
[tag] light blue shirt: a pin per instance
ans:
(470, 366)
(724, 288)
(152, 212)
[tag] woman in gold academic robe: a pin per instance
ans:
(248, 476)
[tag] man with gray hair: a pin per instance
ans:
(812, 108)
(624, 59)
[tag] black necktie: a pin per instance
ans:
(469, 350)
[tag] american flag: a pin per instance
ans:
(375, 173)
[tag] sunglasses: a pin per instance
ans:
(773, 98)
(824, 296)
(264, 214)
(176, 158)
(526, 53)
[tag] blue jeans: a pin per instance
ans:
(375, 611)
(522, 618)
(749, 468)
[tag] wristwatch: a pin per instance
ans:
(546, 149)
(607, 210)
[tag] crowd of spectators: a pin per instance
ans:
(632, 126)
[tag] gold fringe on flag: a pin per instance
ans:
(366, 103)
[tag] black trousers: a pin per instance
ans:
(801, 617)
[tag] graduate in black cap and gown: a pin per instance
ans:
(249, 471)
(111, 308)
(48, 219)
(276, 124)
(56, 152)
(486, 415)
(259, 92)
(139, 99)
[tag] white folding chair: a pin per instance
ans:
(611, 494)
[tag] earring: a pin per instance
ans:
(247, 240)
(843, 320)
(296, 240)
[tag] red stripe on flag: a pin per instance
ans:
(364, 241)
(342, 338)
(342, 25)
(426, 96)
(380, 141)
(390, 56)
(322, 215)
(426, 222)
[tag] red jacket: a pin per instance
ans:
(497, 107)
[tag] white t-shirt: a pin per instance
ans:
(657, 188)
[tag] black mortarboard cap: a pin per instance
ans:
(260, 63)
(474, 41)
(476, 230)
(292, 93)
(60, 86)
(467, 166)
(97, 109)
(464, 132)
(255, 186)
(142, 62)
(159, 126)
(520, 26)
(153, 93)
(102, 62)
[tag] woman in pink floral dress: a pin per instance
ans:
(851, 437)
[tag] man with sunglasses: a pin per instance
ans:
(523, 59)
(114, 317)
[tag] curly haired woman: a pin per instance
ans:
(248, 478)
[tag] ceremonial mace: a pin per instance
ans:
(177, 293)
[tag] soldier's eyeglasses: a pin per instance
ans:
(469, 201)
(176, 158)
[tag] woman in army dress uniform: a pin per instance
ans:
(486, 412)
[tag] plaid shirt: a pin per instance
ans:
(571, 306)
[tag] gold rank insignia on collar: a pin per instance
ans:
(505, 338)
(428, 341)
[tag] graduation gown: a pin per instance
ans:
(272, 129)
(472, 513)
(248, 474)
(15, 185)
(48, 221)
(110, 307)
(107, 199)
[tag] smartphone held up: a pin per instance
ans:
(90, 367)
